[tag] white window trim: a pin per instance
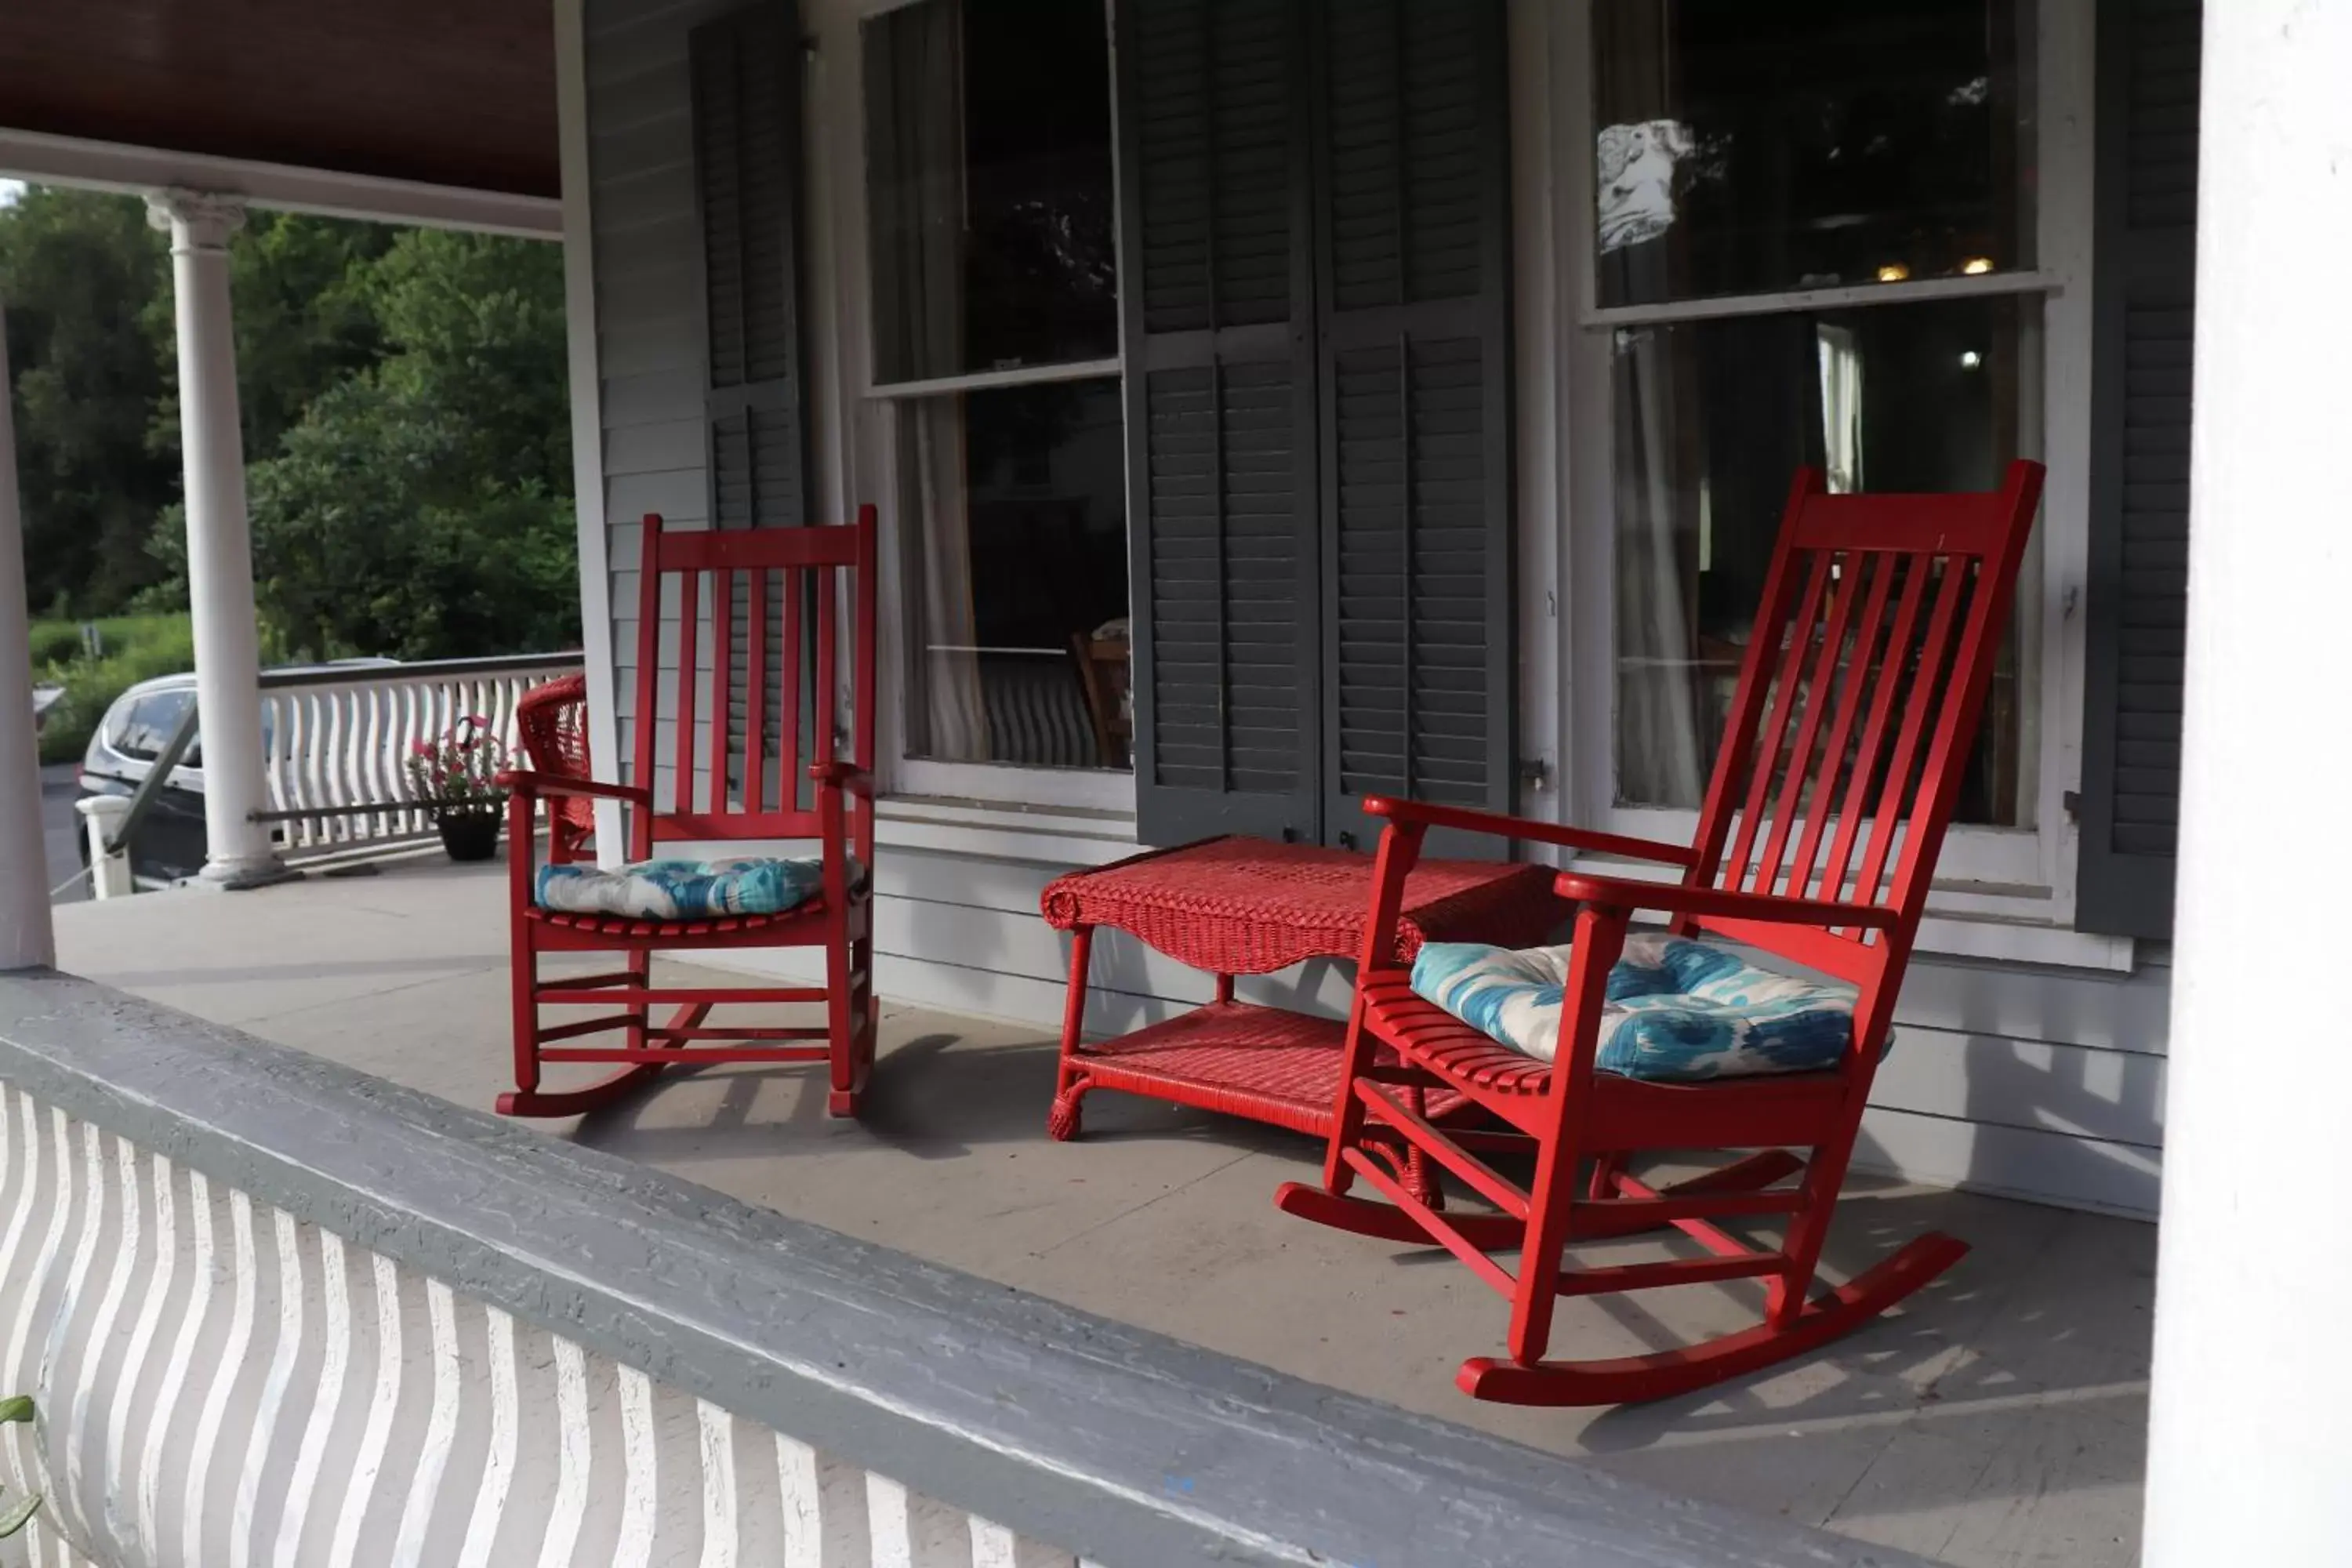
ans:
(1052, 836)
(2020, 878)
(988, 380)
(866, 455)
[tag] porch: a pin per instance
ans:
(2000, 1420)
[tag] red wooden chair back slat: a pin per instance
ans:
(755, 701)
(784, 579)
(1846, 726)
(689, 622)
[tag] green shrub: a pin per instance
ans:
(137, 648)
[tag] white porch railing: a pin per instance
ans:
(275, 1313)
(339, 740)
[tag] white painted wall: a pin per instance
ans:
(2251, 1416)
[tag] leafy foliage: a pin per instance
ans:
(136, 649)
(422, 507)
(17, 1514)
(303, 322)
(78, 273)
(404, 406)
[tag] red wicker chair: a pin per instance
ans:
(1856, 706)
(551, 721)
(740, 775)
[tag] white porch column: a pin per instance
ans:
(2251, 1415)
(220, 552)
(24, 938)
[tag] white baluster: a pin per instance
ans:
(371, 699)
(304, 759)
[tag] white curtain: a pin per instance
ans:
(1658, 756)
(1841, 408)
(946, 669)
(915, 160)
(1638, 149)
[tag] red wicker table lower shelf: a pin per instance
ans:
(1245, 906)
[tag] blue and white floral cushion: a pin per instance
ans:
(682, 889)
(1677, 1010)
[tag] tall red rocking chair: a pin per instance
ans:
(1856, 705)
(741, 751)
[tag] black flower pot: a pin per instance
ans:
(469, 834)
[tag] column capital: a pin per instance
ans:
(197, 220)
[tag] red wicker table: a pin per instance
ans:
(1245, 906)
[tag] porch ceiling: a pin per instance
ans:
(446, 92)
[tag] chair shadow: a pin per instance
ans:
(935, 1096)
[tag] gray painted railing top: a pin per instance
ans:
(1123, 1446)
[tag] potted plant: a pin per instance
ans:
(19, 1512)
(454, 778)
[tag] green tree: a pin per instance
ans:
(422, 508)
(404, 409)
(80, 271)
(303, 321)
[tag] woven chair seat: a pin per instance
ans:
(1433, 1038)
(1243, 906)
(632, 926)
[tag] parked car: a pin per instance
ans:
(170, 842)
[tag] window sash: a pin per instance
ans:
(988, 380)
(878, 440)
(2018, 873)
(1845, 297)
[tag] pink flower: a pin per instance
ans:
(420, 748)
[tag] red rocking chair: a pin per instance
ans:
(784, 580)
(1856, 705)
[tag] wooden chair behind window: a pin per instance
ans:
(1103, 666)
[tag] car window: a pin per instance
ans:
(195, 752)
(146, 728)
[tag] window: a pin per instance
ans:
(995, 337)
(1814, 240)
(147, 725)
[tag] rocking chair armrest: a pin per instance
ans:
(1718, 903)
(524, 781)
(846, 776)
(1502, 827)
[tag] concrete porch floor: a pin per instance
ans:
(2000, 1420)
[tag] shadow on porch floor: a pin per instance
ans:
(1999, 1421)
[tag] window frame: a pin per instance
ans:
(874, 412)
(2015, 873)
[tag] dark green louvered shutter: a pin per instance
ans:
(1413, 159)
(2144, 315)
(746, 71)
(746, 176)
(1216, 301)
